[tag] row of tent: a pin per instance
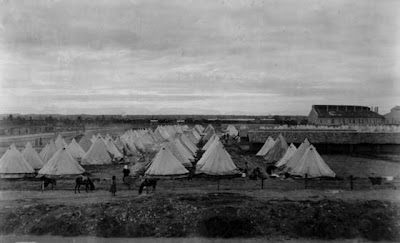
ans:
(215, 161)
(97, 151)
(172, 143)
(56, 158)
(301, 161)
(16, 164)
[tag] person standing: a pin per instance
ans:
(113, 188)
(126, 172)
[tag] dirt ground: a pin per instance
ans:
(271, 214)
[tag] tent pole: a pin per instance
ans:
(262, 183)
(305, 181)
(351, 182)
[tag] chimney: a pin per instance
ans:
(376, 109)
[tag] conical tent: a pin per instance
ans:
(61, 164)
(192, 138)
(178, 154)
(139, 145)
(165, 164)
(266, 147)
(208, 135)
(85, 143)
(112, 149)
(119, 144)
(186, 152)
(218, 162)
(32, 157)
(97, 154)
(289, 153)
(312, 164)
(188, 144)
(196, 135)
(123, 147)
(209, 142)
(207, 154)
(296, 156)
(232, 131)
(199, 128)
(277, 151)
(208, 128)
(60, 142)
(133, 149)
(76, 151)
(48, 151)
(14, 165)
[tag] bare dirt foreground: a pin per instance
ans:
(312, 214)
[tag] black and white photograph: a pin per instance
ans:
(199, 121)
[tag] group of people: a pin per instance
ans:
(113, 187)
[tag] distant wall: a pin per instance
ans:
(327, 137)
(334, 141)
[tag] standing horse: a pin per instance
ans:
(46, 181)
(147, 183)
(129, 180)
(271, 169)
(84, 180)
(256, 173)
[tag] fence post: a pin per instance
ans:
(262, 183)
(351, 182)
(306, 181)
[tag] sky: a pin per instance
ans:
(198, 57)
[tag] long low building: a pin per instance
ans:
(333, 141)
(344, 115)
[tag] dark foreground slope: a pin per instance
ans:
(208, 215)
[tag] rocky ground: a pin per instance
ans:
(207, 214)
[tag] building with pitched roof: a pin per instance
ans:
(344, 115)
(394, 116)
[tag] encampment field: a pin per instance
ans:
(276, 208)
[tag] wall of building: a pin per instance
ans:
(346, 149)
(393, 117)
(346, 121)
(315, 120)
(326, 137)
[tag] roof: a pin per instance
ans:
(396, 108)
(342, 111)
